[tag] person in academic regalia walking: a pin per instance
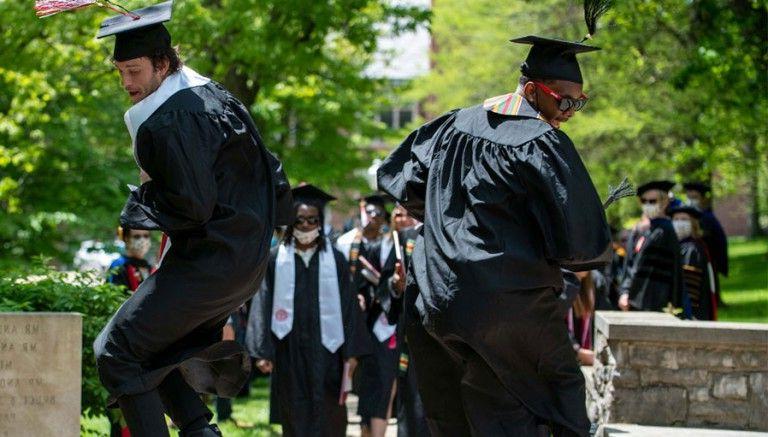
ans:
(653, 270)
(209, 184)
(698, 272)
(506, 203)
(305, 326)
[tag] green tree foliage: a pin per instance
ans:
(65, 155)
(678, 91)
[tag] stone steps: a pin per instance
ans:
(631, 430)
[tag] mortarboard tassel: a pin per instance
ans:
(624, 189)
(46, 8)
(593, 10)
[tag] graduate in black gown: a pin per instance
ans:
(305, 325)
(411, 420)
(653, 271)
(698, 273)
(506, 202)
(212, 187)
(373, 256)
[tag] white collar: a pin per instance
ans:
(140, 112)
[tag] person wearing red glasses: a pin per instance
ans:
(506, 203)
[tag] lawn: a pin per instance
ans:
(745, 290)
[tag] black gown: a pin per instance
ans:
(378, 371)
(696, 276)
(306, 378)
(218, 193)
(411, 420)
(506, 202)
(653, 269)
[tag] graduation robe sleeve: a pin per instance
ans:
(403, 174)
(563, 201)
(178, 153)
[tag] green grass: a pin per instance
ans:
(251, 414)
(745, 290)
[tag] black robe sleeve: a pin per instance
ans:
(404, 173)
(258, 336)
(563, 201)
(177, 152)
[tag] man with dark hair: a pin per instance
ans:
(212, 187)
(506, 203)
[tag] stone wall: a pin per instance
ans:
(653, 369)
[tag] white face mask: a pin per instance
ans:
(682, 228)
(651, 210)
(306, 237)
(694, 203)
(138, 247)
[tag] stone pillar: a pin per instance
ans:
(654, 369)
(40, 374)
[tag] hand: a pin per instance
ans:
(398, 279)
(361, 302)
(585, 356)
(229, 332)
(624, 302)
(143, 176)
(265, 366)
(352, 367)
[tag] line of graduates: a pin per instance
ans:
(673, 255)
(669, 261)
(325, 321)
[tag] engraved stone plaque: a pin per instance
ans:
(40, 374)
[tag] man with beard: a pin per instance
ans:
(506, 203)
(212, 187)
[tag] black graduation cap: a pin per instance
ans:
(662, 185)
(311, 195)
(701, 187)
(552, 58)
(688, 209)
(140, 33)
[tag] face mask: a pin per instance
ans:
(682, 228)
(652, 211)
(306, 237)
(138, 246)
(694, 203)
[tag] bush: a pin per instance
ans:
(41, 288)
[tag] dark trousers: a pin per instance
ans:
(145, 412)
(497, 365)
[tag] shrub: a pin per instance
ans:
(40, 288)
